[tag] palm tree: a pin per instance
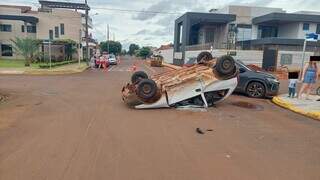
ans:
(27, 47)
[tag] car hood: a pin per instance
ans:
(265, 74)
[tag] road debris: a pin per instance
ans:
(192, 108)
(200, 131)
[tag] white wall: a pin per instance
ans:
(255, 57)
(260, 11)
(297, 57)
(70, 19)
(167, 55)
(302, 33)
(289, 30)
(247, 56)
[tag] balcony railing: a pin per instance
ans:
(90, 40)
(206, 46)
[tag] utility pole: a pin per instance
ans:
(79, 46)
(108, 37)
(87, 32)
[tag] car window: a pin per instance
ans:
(240, 64)
(191, 61)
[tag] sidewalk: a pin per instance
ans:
(66, 69)
(310, 108)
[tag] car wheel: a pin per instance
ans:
(318, 91)
(146, 89)
(137, 76)
(256, 90)
(225, 66)
(203, 57)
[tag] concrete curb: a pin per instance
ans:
(280, 102)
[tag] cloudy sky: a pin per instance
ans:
(129, 25)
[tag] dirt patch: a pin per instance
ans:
(247, 105)
(3, 98)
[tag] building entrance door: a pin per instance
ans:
(269, 61)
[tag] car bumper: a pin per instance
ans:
(272, 89)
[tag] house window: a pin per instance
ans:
(5, 27)
(179, 36)
(286, 59)
(209, 36)
(318, 29)
(30, 29)
(306, 26)
(267, 31)
(244, 34)
(6, 50)
(50, 34)
(56, 32)
(62, 29)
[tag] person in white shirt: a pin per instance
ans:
(292, 87)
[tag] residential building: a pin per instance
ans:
(166, 51)
(43, 24)
(246, 28)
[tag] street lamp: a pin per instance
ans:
(309, 37)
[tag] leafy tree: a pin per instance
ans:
(144, 52)
(27, 47)
(124, 52)
(114, 47)
(133, 48)
(69, 49)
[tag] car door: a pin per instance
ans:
(243, 78)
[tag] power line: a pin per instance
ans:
(136, 11)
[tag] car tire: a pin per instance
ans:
(256, 90)
(225, 66)
(203, 57)
(147, 89)
(318, 91)
(137, 76)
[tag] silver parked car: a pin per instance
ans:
(112, 59)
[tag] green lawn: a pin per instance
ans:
(8, 63)
(13, 63)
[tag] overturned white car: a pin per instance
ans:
(203, 84)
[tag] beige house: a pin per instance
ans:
(43, 24)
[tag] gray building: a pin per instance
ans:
(198, 29)
(244, 28)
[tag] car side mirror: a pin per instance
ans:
(242, 70)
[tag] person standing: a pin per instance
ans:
(309, 78)
(93, 62)
(292, 87)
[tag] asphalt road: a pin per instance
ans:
(74, 127)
